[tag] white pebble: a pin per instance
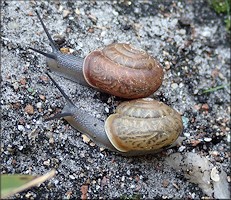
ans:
(39, 105)
(21, 128)
(181, 148)
(71, 176)
(228, 138)
(27, 126)
(187, 134)
(181, 85)
(215, 174)
(206, 139)
(20, 148)
(182, 31)
(174, 86)
(106, 109)
(132, 186)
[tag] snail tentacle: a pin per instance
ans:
(52, 43)
(58, 116)
(48, 55)
(68, 100)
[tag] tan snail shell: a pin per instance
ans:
(143, 124)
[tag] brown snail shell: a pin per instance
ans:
(122, 70)
(143, 124)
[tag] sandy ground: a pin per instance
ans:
(188, 39)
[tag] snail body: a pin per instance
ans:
(138, 127)
(118, 69)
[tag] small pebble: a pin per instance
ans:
(92, 144)
(39, 105)
(103, 33)
(20, 148)
(44, 78)
(197, 107)
(106, 109)
(15, 85)
(206, 139)
(47, 162)
(205, 107)
(28, 195)
(23, 81)
(181, 85)
(167, 65)
(181, 148)
(66, 13)
(42, 97)
(21, 128)
(51, 140)
(85, 138)
(71, 176)
(187, 134)
(215, 174)
(29, 109)
(101, 148)
(228, 179)
(165, 183)
(27, 126)
(115, 13)
(132, 186)
(77, 11)
(185, 121)
(182, 31)
(165, 53)
(174, 86)
(214, 153)
(228, 138)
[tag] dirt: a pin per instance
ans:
(187, 37)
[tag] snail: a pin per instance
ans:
(118, 69)
(138, 127)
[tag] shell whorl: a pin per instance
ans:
(122, 70)
(143, 124)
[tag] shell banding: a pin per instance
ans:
(143, 124)
(122, 70)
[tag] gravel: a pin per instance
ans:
(187, 37)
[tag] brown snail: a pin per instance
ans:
(138, 127)
(118, 69)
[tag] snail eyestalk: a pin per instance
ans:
(61, 91)
(48, 55)
(52, 43)
(58, 116)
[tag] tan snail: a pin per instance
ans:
(139, 126)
